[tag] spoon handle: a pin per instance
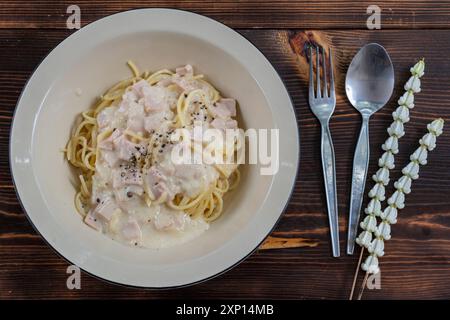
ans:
(329, 176)
(360, 166)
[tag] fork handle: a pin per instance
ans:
(329, 177)
(360, 166)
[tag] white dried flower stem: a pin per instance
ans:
(386, 162)
(397, 200)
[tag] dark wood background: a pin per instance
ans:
(295, 260)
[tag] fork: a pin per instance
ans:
(322, 104)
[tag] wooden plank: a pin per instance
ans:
(317, 14)
(417, 261)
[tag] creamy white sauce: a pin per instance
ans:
(160, 226)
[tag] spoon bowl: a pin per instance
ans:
(370, 79)
(369, 84)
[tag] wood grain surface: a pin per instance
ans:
(281, 14)
(294, 262)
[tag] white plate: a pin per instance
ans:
(92, 59)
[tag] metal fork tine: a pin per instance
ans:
(332, 94)
(311, 75)
(324, 68)
(319, 92)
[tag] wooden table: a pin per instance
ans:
(295, 260)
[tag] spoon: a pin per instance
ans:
(369, 84)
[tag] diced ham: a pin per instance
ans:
(230, 104)
(158, 189)
(231, 124)
(154, 175)
(154, 121)
(221, 124)
(218, 123)
(186, 85)
(126, 177)
(110, 157)
(105, 117)
(121, 195)
(187, 70)
(106, 209)
(138, 88)
(155, 98)
(136, 110)
(172, 96)
(224, 108)
(136, 115)
(165, 82)
(135, 124)
(130, 95)
(131, 230)
(92, 221)
(169, 221)
(125, 149)
(155, 180)
(107, 144)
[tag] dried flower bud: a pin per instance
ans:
(403, 184)
(397, 200)
(411, 170)
(396, 129)
(436, 127)
(420, 155)
(364, 238)
(391, 144)
(387, 160)
(369, 223)
(382, 176)
(376, 247)
(407, 100)
(413, 84)
(374, 207)
(383, 230)
(418, 69)
(390, 214)
(377, 192)
(371, 265)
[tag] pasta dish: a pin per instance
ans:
(130, 187)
